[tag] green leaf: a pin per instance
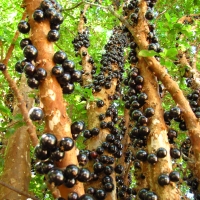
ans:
(147, 53)
(167, 16)
(171, 53)
(5, 110)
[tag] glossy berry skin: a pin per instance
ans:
(100, 194)
(149, 112)
(49, 13)
(53, 35)
(23, 27)
(55, 26)
(40, 73)
(47, 166)
(2, 67)
(149, 15)
(119, 169)
(18, 67)
(57, 19)
(72, 196)
(163, 180)
(175, 112)
(142, 193)
(38, 15)
(151, 196)
(57, 71)
(141, 155)
(59, 57)
(108, 187)
(57, 155)
(56, 176)
(48, 141)
(100, 103)
(86, 197)
(69, 183)
(40, 153)
(71, 171)
(76, 76)
(68, 89)
(84, 175)
(77, 127)
(174, 176)
(66, 144)
(29, 70)
(175, 153)
(161, 152)
(33, 82)
(39, 168)
(24, 42)
(36, 114)
(46, 4)
(152, 158)
(30, 52)
(98, 167)
(68, 65)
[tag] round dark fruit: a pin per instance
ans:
(174, 176)
(152, 158)
(77, 127)
(107, 179)
(175, 153)
(76, 76)
(68, 65)
(57, 19)
(49, 13)
(149, 112)
(82, 159)
(141, 155)
(95, 131)
(144, 131)
(71, 171)
(53, 36)
(100, 103)
(87, 134)
(98, 167)
(136, 114)
(36, 114)
(29, 69)
(73, 196)
(40, 153)
(90, 190)
(47, 166)
(48, 141)
(175, 112)
(100, 194)
(149, 15)
(56, 176)
(38, 15)
(161, 152)
(40, 73)
(18, 67)
(86, 197)
(55, 26)
(68, 88)
(69, 183)
(66, 143)
(33, 82)
(119, 169)
(46, 4)
(2, 67)
(142, 193)
(39, 168)
(151, 196)
(30, 52)
(57, 71)
(57, 155)
(84, 175)
(59, 57)
(24, 42)
(163, 180)
(23, 27)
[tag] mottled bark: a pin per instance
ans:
(52, 103)
(157, 138)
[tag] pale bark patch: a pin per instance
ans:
(55, 120)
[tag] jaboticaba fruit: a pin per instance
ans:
(36, 114)
(2, 67)
(23, 27)
(40, 74)
(33, 82)
(59, 57)
(46, 4)
(66, 143)
(57, 71)
(38, 15)
(163, 180)
(71, 171)
(161, 152)
(174, 176)
(29, 70)
(72, 196)
(40, 153)
(68, 88)
(150, 196)
(48, 141)
(152, 158)
(57, 155)
(68, 65)
(149, 15)
(141, 155)
(53, 35)
(69, 183)
(24, 42)
(86, 197)
(84, 175)
(119, 169)
(175, 112)
(30, 52)
(77, 127)
(142, 193)
(56, 176)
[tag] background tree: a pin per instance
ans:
(115, 87)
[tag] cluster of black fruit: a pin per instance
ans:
(113, 56)
(50, 10)
(175, 114)
(65, 72)
(81, 40)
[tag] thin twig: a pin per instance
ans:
(13, 86)
(18, 191)
(75, 6)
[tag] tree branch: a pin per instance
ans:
(18, 191)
